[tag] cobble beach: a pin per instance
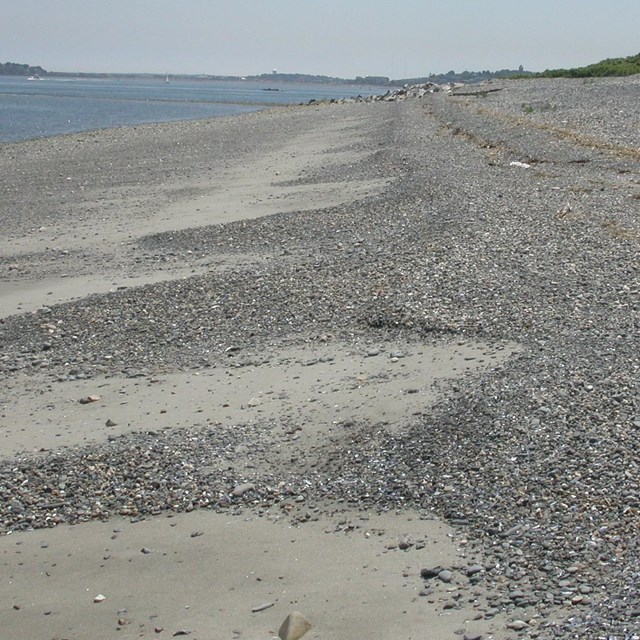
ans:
(404, 333)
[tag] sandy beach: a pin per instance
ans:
(373, 362)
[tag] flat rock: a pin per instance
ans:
(241, 489)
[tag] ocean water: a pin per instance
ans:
(55, 106)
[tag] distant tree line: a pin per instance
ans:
(610, 67)
(462, 76)
(15, 69)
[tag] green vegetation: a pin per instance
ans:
(610, 67)
(15, 69)
(528, 107)
(467, 77)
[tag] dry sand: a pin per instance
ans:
(345, 573)
(206, 573)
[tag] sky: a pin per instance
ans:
(342, 38)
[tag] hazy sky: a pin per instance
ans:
(345, 38)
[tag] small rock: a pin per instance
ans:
(294, 626)
(110, 423)
(517, 625)
(427, 574)
(241, 489)
(445, 575)
(89, 399)
(99, 598)
(262, 607)
(232, 349)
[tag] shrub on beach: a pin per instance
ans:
(610, 67)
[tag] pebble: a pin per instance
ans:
(429, 573)
(517, 625)
(474, 570)
(445, 576)
(294, 626)
(241, 489)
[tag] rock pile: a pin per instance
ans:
(398, 95)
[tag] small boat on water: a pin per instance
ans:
(34, 77)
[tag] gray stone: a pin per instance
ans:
(517, 625)
(241, 489)
(445, 576)
(295, 625)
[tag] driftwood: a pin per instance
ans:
(480, 94)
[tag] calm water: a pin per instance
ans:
(54, 106)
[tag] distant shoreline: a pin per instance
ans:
(267, 78)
